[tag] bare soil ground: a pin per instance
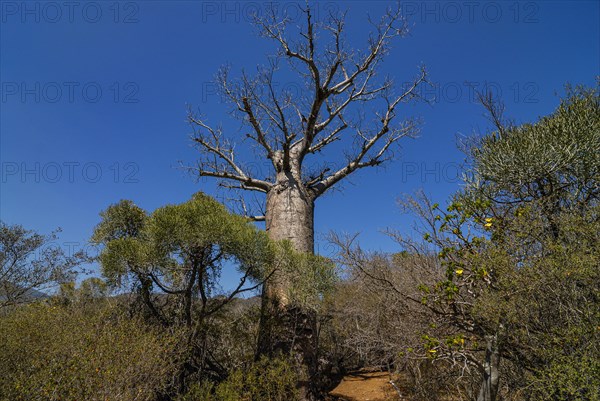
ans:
(365, 386)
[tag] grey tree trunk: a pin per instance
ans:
(290, 213)
(289, 216)
(491, 376)
(284, 328)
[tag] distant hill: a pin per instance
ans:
(28, 296)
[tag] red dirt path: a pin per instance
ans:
(365, 386)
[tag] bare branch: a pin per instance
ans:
(243, 208)
(386, 30)
(289, 127)
(219, 159)
(495, 110)
(241, 95)
(391, 135)
(332, 137)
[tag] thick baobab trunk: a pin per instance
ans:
(289, 216)
(285, 328)
(491, 374)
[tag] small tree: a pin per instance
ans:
(520, 249)
(552, 164)
(31, 262)
(174, 257)
(92, 288)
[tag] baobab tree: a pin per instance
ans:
(344, 107)
(292, 132)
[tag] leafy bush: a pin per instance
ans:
(82, 352)
(265, 380)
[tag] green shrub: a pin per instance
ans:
(265, 380)
(82, 352)
(573, 378)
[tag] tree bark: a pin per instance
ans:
(491, 375)
(289, 216)
(290, 213)
(286, 329)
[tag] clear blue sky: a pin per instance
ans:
(94, 98)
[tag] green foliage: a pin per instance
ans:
(555, 158)
(83, 352)
(541, 261)
(310, 276)
(265, 380)
(570, 377)
(520, 249)
(553, 314)
(30, 261)
(93, 288)
(204, 223)
(167, 240)
(121, 220)
(89, 289)
(180, 249)
(174, 257)
(539, 292)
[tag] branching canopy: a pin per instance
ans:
(31, 262)
(336, 83)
